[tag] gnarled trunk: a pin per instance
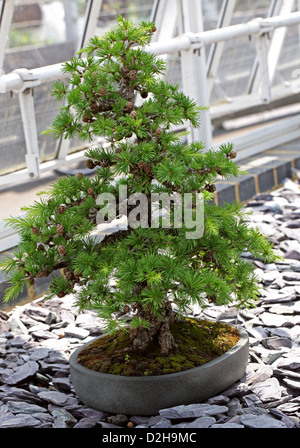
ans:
(159, 331)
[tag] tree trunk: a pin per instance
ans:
(158, 331)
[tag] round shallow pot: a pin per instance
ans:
(148, 394)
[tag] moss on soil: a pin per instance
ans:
(199, 341)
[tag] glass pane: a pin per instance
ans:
(12, 143)
(135, 10)
(37, 23)
(289, 59)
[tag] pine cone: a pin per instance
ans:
(158, 131)
(69, 275)
(145, 167)
(61, 209)
(42, 274)
(211, 188)
(87, 118)
(35, 230)
(144, 94)
(61, 249)
(132, 74)
(129, 105)
(90, 191)
(232, 155)
(61, 294)
(126, 309)
(90, 164)
(103, 91)
(80, 175)
(94, 107)
(133, 114)
(60, 229)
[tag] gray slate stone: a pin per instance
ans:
(227, 425)
(261, 421)
(25, 408)
(192, 410)
(267, 390)
(19, 421)
(63, 419)
(53, 397)
(22, 373)
(201, 422)
(294, 384)
(38, 353)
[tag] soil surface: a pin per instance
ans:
(199, 341)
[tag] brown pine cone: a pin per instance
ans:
(144, 94)
(69, 275)
(61, 294)
(35, 230)
(61, 209)
(158, 131)
(94, 107)
(87, 118)
(145, 167)
(103, 91)
(133, 114)
(132, 74)
(129, 105)
(90, 191)
(80, 175)
(60, 229)
(232, 155)
(42, 274)
(61, 249)
(148, 169)
(126, 309)
(211, 188)
(90, 164)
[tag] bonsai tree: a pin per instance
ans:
(154, 271)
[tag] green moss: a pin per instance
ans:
(116, 369)
(199, 341)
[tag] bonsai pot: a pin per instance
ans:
(148, 394)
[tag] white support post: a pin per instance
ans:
(90, 21)
(71, 18)
(261, 42)
(6, 13)
(278, 39)
(275, 45)
(193, 69)
(164, 14)
(26, 102)
(274, 10)
(216, 50)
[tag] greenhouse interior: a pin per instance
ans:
(238, 61)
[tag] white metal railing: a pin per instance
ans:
(191, 46)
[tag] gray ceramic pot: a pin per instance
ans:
(147, 395)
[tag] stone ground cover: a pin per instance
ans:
(36, 341)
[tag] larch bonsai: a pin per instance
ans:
(151, 271)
